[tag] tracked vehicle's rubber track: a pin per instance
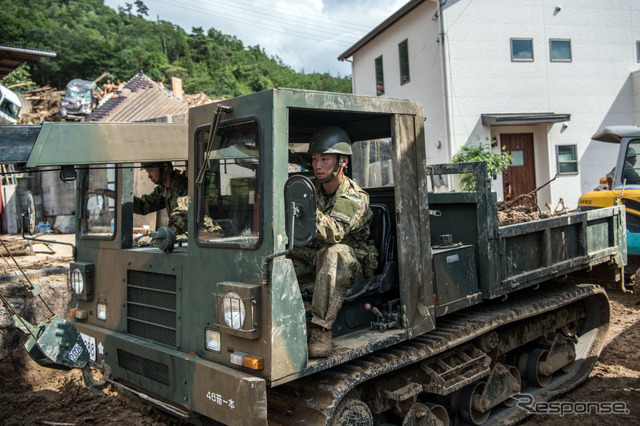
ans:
(313, 399)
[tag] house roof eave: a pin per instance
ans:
(512, 119)
(404, 10)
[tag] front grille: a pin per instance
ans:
(153, 370)
(152, 306)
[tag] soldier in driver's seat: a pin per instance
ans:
(339, 255)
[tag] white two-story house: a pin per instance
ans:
(539, 76)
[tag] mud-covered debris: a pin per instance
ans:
(16, 247)
(522, 214)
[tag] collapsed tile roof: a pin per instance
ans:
(140, 99)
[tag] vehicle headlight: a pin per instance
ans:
(80, 279)
(238, 309)
(77, 281)
(234, 310)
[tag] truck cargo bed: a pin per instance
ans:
(524, 254)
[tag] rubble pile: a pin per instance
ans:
(44, 105)
(44, 102)
(199, 99)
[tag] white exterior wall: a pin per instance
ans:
(635, 85)
(595, 87)
(424, 67)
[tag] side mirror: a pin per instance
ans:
(29, 216)
(68, 174)
(300, 206)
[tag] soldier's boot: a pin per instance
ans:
(320, 342)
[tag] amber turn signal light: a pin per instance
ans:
(253, 362)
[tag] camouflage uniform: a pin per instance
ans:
(174, 199)
(340, 254)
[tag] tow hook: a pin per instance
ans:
(87, 375)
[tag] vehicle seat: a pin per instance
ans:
(386, 276)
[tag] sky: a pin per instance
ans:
(308, 35)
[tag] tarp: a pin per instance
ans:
(80, 85)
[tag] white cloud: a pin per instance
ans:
(307, 35)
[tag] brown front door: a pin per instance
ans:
(520, 178)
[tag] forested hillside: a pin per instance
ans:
(91, 39)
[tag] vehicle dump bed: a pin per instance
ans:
(520, 255)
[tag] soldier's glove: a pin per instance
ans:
(143, 241)
(164, 239)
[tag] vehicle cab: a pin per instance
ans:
(621, 190)
(223, 316)
(9, 106)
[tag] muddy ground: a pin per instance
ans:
(32, 395)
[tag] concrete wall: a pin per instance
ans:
(58, 197)
(10, 210)
(595, 87)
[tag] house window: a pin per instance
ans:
(517, 158)
(379, 77)
(403, 53)
(522, 50)
(560, 50)
(567, 156)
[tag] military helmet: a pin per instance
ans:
(153, 164)
(330, 140)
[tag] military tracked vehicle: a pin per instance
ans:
(462, 318)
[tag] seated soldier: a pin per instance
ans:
(340, 254)
(171, 193)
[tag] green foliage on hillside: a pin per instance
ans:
(91, 38)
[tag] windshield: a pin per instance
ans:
(9, 108)
(76, 94)
(99, 202)
(228, 195)
(630, 173)
(372, 164)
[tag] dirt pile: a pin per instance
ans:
(520, 214)
(31, 394)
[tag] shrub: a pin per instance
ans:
(496, 162)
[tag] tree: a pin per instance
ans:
(91, 38)
(126, 9)
(141, 8)
(19, 76)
